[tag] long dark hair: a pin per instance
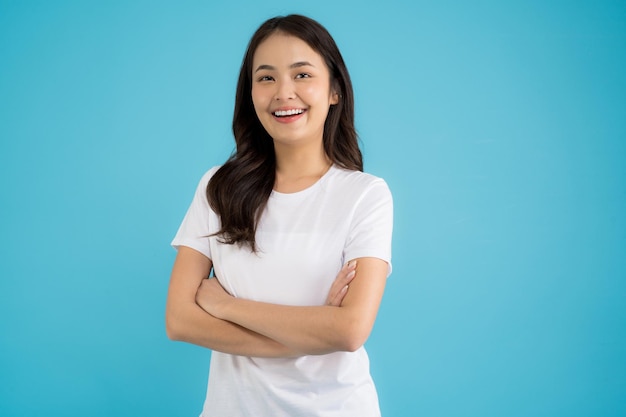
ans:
(238, 192)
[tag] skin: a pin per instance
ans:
(187, 321)
(287, 75)
(307, 330)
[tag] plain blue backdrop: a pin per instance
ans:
(499, 126)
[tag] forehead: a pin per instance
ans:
(281, 50)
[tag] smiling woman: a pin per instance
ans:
(291, 91)
(297, 236)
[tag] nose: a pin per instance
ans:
(284, 90)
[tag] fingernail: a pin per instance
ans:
(351, 274)
(352, 264)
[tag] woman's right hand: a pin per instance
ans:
(340, 286)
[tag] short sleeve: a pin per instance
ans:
(197, 224)
(372, 225)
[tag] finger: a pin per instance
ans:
(349, 266)
(334, 296)
(335, 291)
(338, 298)
(351, 269)
(343, 278)
(333, 300)
(346, 279)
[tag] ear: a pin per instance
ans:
(334, 98)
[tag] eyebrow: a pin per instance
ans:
(294, 65)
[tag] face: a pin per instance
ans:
(291, 90)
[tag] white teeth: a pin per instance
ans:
(290, 112)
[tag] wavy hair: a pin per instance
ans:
(238, 192)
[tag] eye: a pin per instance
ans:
(265, 78)
(303, 75)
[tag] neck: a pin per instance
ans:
(298, 168)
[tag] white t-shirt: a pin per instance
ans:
(303, 240)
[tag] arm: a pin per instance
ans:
(186, 321)
(311, 330)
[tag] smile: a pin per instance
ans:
(290, 112)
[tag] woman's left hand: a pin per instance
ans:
(211, 296)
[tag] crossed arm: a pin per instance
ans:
(199, 311)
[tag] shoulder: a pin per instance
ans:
(357, 183)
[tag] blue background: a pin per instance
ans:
(499, 126)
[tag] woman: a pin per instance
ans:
(285, 225)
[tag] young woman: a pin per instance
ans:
(297, 236)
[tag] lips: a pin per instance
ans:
(289, 112)
(288, 115)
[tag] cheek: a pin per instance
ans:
(259, 98)
(319, 93)
(313, 92)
